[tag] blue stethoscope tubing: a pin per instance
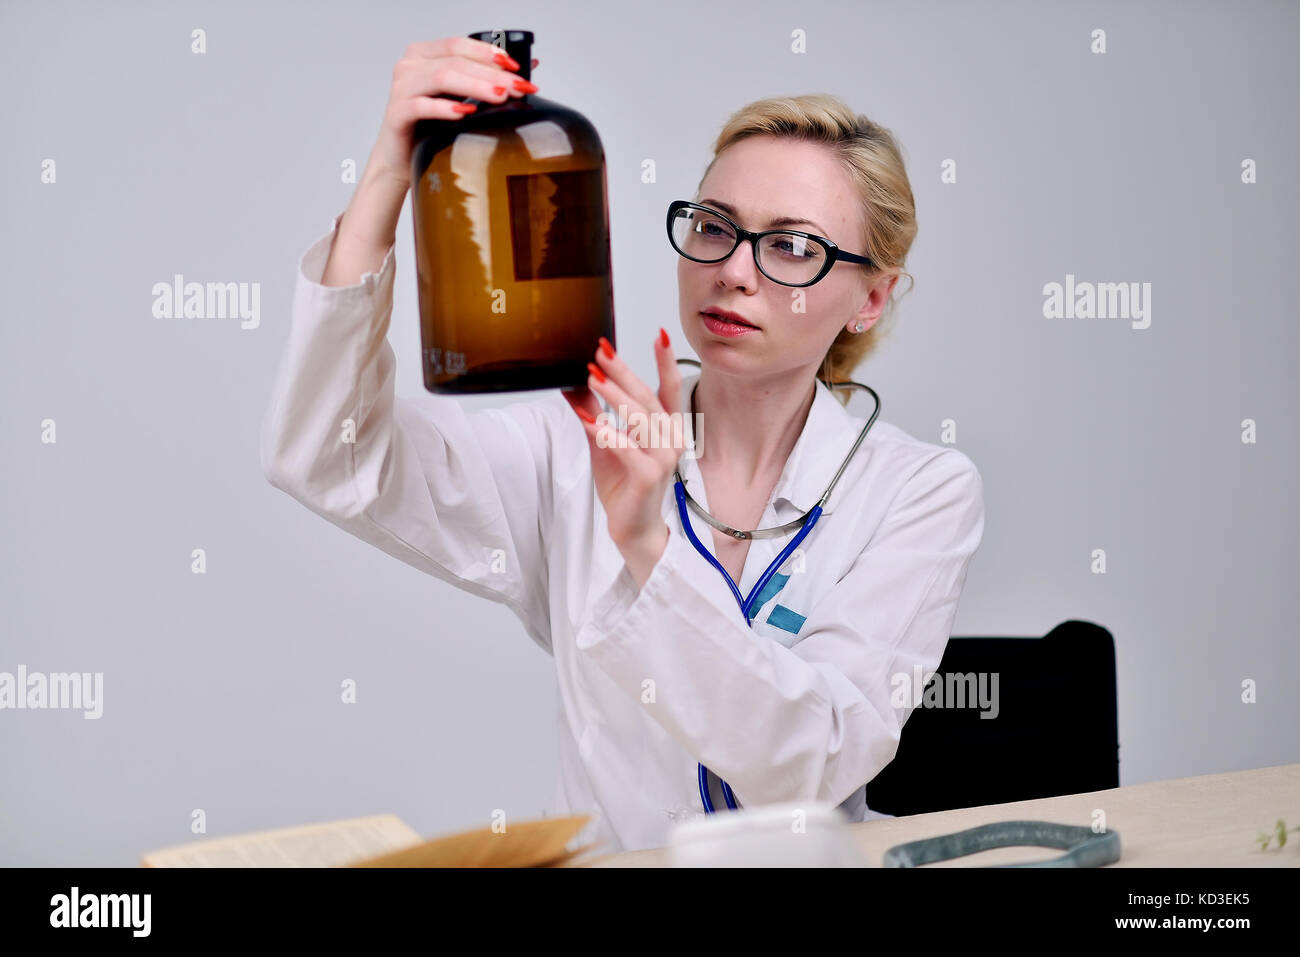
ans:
(745, 606)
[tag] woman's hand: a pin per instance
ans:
(631, 467)
(453, 65)
(460, 65)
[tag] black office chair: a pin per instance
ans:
(1056, 732)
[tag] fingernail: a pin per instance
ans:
(585, 415)
(606, 348)
(464, 107)
(507, 61)
(596, 371)
(663, 337)
(499, 90)
(523, 86)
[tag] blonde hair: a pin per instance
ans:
(871, 156)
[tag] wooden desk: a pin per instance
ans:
(1206, 821)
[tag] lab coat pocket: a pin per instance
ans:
(781, 623)
(777, 616)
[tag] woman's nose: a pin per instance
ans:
(740, 267)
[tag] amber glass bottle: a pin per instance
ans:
(510, 205)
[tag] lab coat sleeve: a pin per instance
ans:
(461, 496)
(817, 720)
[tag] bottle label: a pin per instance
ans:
(557, 225)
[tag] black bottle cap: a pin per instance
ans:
(518, 44)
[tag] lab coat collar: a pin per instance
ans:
(827, 436)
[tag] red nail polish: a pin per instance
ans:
(505, 60)
(606, 348)
(585, 415)
(596, 371)
(663, 337)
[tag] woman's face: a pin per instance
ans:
(762, 178)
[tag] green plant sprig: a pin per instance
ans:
(1264, 838)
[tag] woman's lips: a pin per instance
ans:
(723, 327)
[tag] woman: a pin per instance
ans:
(539, 507)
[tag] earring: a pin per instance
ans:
(858, 326)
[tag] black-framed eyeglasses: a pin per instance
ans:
(785, 256)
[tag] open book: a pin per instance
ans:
(383, 840)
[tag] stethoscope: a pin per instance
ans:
(808, 520)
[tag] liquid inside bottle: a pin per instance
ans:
(510, 206)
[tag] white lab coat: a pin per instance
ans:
(500, 503)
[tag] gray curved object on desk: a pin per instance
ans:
(1083, 846)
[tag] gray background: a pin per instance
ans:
(222, 690)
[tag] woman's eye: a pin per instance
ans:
(805, 249)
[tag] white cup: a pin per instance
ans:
(796, 834)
